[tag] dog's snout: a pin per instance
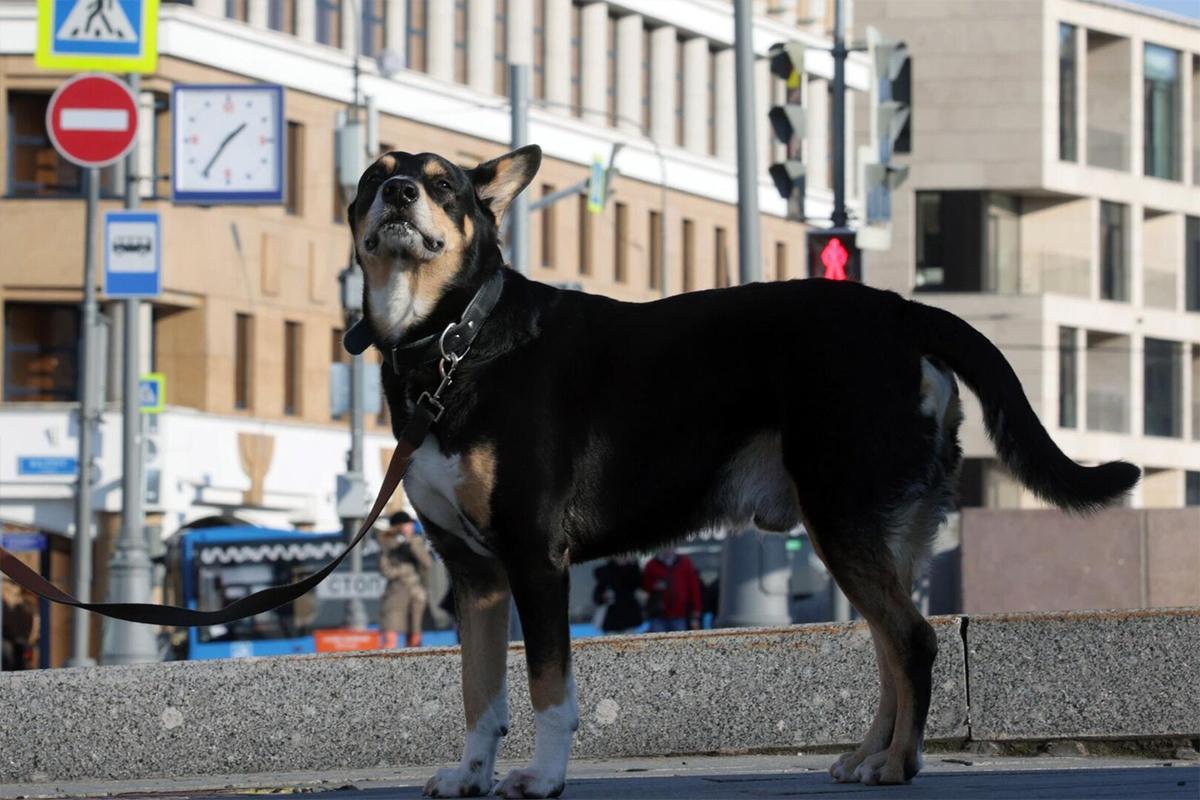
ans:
(400, 191)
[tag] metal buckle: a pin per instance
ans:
(431, 402)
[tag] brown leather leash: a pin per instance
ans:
(452, 346)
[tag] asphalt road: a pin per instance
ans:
(947, 776)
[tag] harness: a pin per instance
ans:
(448, 348)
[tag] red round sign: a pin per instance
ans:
(92, 120)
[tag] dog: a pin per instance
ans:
(578, 427)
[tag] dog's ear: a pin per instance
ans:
(498, 181)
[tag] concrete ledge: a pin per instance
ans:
(732, 691)
(1111, 675)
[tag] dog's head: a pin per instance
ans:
(423, 227)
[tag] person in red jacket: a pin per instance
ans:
(674, 588)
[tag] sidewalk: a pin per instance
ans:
(947, 776)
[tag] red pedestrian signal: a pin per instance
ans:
(834, 255)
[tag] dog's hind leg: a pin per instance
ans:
(541, 591)
(481, 598)
(905, 646)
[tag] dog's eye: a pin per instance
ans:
(444, 185)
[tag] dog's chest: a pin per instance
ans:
(453, 491)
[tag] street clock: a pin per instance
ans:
(228, 144)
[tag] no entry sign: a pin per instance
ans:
(92, 120)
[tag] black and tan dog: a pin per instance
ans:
(579, 426)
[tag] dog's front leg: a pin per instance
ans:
(542, 595)
(481, 599)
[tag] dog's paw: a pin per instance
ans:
(843, 770)
(459, 782)
(530, 783)
(881, 769)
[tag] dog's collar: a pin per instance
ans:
(455, 340)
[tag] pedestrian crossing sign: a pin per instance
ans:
(98, 35)
(152, 393)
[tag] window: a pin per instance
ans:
(689, 254)
(294, 190)
(1114, 266)
(372, 27)
(1163, 388)
(1191, 491)
(549, 241)
(41, 352)
(281, 15)
(293, 362)
(1192, 278)
(610, 54)
(329, 22)
(721, 258)
(576, 58)
(1162, 109)
(655, 239)
(460, 41)
(781, 261)
(950, 241)
(621, 243)
(1068, 374)
(501, 48)
(1068, 143)
(236, 9)
(34, 167)
(414, 25)
(539, 49)
(243, 354)
(585, 237)
(679, 70)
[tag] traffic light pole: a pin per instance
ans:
(838, 114)
(518, 88)
(131, 574)
(89, 411)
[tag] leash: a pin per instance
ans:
(452, 346)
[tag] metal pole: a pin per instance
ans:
(131, 573)
(749, 261)
(838, 113)
(81, 553)
(518, 91)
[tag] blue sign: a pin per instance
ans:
(99, 35)
(22, 542)
(132, 254)
(152, 393)
(47, 465)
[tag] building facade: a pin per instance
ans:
(247, 329)
(1054, 202)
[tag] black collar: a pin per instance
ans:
(455, 340)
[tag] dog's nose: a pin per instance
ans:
(400, 191)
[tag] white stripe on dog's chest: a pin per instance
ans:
(431, 485)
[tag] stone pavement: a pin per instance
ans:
(947, 776)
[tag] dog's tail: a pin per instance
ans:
(1022, 443)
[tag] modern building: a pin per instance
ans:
(1054, 202)
(247, 329)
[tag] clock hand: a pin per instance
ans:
(221, 148)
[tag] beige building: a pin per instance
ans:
(1054, 202)
(247, 328)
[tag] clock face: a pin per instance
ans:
(228, 144)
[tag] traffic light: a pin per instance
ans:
(788, 124)
(891, 132)
(833, 253)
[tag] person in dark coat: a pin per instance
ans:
(617, 583)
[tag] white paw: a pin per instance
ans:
(530, 782)
(459, 782)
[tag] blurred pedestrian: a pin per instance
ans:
(674, 587)
(618, 581)
(20, 628)
(404, 560)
